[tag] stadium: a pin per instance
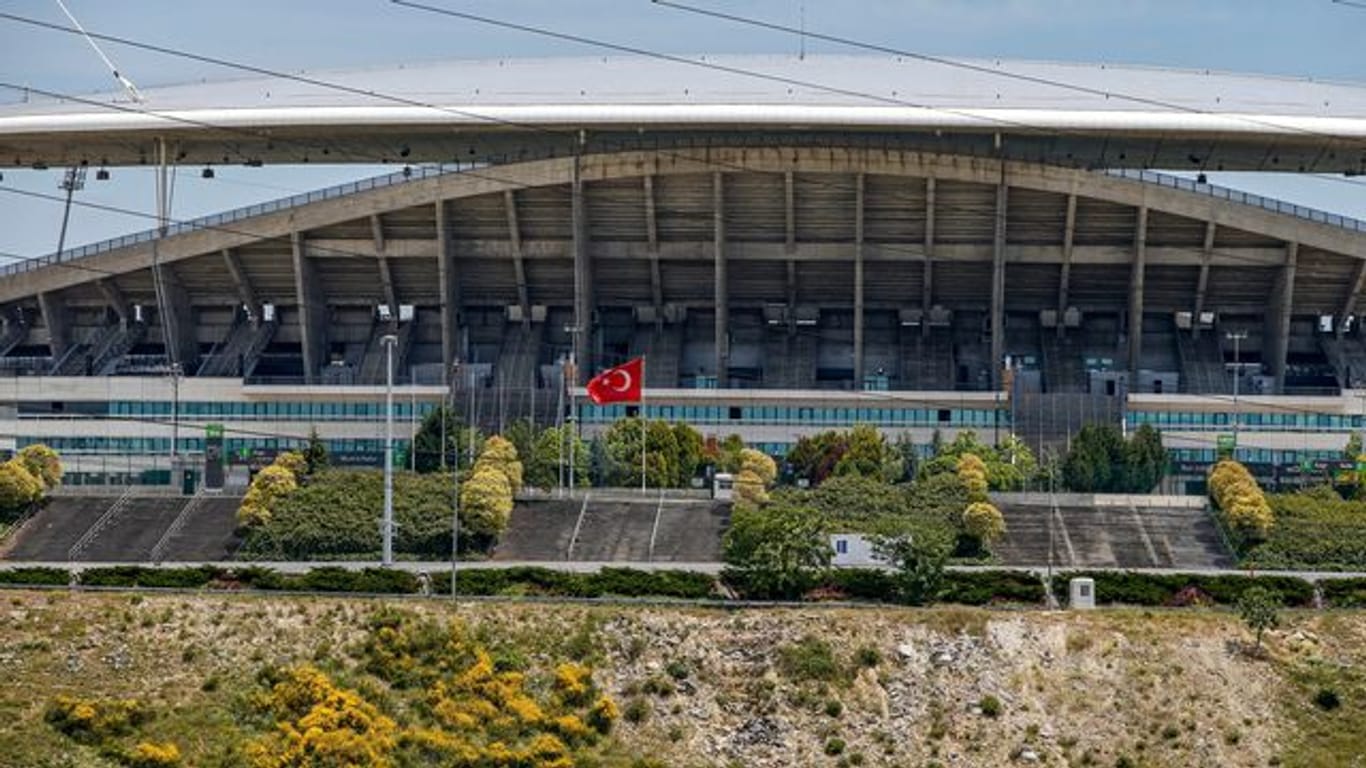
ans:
(793, 244)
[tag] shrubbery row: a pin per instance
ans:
(864, 584)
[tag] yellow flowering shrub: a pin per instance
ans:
(92, 720)
(603, 714)
(319, 724)
(151, 754)
(574, 683)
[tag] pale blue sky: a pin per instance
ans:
(1315, 38)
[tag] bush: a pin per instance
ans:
(1327, 699)
(150, 754)
(18, 487)
(43, 463)
(834, 747)
(1240, 500)
(142, 576)
(1344, 593)
(500, 454)
(94, 720)
(987, 587)
(810, 658)
(1152, 589)
(370, 580)
(1315, 529)
(984, 522)
(637, 710)
(486, 500)
(749, 488)
(991, 706)
(44, 577)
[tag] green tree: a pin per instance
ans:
(779, 550)
(909, 454)
(760, 463)
(866, 453)
(522, 435)
(918, 555)
(622, 445)
(550, 457)
(1096, 463)
(690, 449)
(815, 457)
(984, 522)
(1145, 460)
(728, 454)
(431, 454)
(750, 487)
(316, 458)
(1257, 607)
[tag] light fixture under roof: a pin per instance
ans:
(207, 173)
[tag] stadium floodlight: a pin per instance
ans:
(387, 523)
(207, 173)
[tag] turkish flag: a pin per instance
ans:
(622, 384)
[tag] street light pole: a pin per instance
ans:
(387, 523)
(455, 484)
(175, 418)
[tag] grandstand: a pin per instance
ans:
(787, 261)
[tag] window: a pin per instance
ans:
(841, 546)
(734, 413)
(945, 415)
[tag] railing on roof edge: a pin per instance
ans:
(428, 171)
(1246, 198)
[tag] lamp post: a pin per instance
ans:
(175, 372)
(387, 523)
(455, 482)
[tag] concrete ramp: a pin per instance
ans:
(1110, 532)
(539, 531)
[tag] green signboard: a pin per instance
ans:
(1226, 443)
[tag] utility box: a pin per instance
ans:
(723, 486)
(1081, 594)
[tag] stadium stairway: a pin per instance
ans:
(539, 531)
(1111, 532)
(129, 528)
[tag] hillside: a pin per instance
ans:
(694, 687)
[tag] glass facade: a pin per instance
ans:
(1253, 422)
(800, 415)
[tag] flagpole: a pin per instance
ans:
(644, 426)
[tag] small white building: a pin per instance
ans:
(853, 550)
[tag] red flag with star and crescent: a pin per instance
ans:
(622, 384)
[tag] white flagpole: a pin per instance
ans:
(644, 426)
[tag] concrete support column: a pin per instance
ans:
(449, 292)
(386, 276)
(722, 295)
(177, 320)
(583, 280)
(239, 279)
(858, 281)
(1281, 304)
(116, 300)
(1349, 302)
(998, 287)
(1065, 278)
(927, 274)
(312, 305)
(652, 237)
(1136, 295)
(790, 247)
(1202, 283)
(518, 262)
(55, 320)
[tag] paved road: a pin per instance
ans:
(438, 566)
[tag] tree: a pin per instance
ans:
(728, 453)
(267, 488)
(1095, 460)
(866, 453)
(972, 473)
(1240, 500)
(43, 463)
(779, 550)
(1145, 460)
(918, 555)
(750, 487)
(663, 455)
(316, 458)
(550, 455)
(984, 522)
(485, 501)
(501, 455)
(18, 487)
(432, 455)
(1257, 607)
(760, 464)
(815, 457)
(690, 448)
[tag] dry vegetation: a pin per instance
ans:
(815, 687)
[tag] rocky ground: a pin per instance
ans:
(811, 687)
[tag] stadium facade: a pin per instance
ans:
(968, 251)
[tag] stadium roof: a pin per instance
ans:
(1076, 114)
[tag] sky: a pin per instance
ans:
(1305, 38)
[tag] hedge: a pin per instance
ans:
(961, 587)
(140, 576)
(1135, 588)
(620, 582)
(38, 577)
(1344, 593)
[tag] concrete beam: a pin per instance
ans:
(927, 259)
(1280, 315)
(518, 264)
(858, 280)
(722, 295)
(1065, 278)
(1349, 302)
(1202, 283)
(312, 307)
(55, 320)
(1136, 294)
(177, 318)
(583, 279)
(115, 300)
(386, 276)
(449, 293)
(652, 242)
(998, 285)
(245, 293)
